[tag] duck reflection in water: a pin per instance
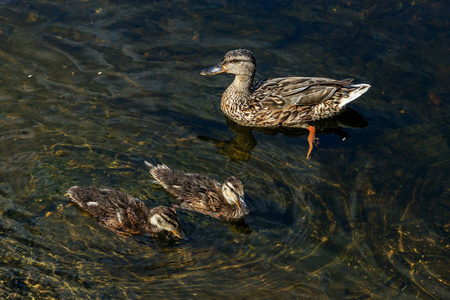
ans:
(284, 102)
(240, 147)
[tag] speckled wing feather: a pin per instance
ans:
(195, 191)
(207, 203)
(285, 91)
(290, 101)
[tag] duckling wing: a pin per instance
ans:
(98, 202)
(114, 209)
(281, 93)
(207, 202)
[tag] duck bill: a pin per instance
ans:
(179, 233)
(242, 206)
(217, 69)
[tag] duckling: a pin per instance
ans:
(283, 101)
(201, 194)
(123, 214)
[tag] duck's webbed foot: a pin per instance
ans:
(312, 140)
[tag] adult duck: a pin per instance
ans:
(282, 101)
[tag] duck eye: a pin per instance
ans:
(238, 60)
(231, 187)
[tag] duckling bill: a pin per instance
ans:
(124, 214)
(283, 101)
(201, 194)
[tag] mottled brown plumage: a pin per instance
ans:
(202, 194)
(124, 214)
(284, 101)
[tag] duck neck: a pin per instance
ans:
(237, 95)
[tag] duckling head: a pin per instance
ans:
(238, 62)
(165, 218)
(233, 191)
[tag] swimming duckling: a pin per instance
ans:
(199, 193)
(123, 214)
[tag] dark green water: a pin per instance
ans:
(91, 89)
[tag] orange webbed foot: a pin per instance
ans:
(312, 140)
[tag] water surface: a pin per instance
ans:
(91, 89)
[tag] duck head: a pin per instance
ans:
(237, 62)
(233, 191)
(165, 218)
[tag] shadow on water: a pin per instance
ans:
(241, 146)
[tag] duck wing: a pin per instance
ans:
(294, 101)
(282, 92)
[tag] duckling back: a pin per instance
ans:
(102, 203)
(181, 184)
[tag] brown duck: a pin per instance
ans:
(123, 214)
(283, 101)
(201, 194)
